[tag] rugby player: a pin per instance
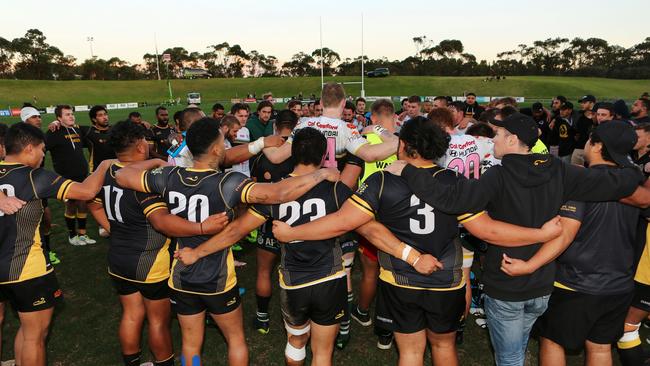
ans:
(193, 194)
(161, 131)
(141, 229)
(416, 307)
(66, 146)
(27, 279)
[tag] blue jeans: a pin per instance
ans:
(510, 323)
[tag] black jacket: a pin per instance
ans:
(526, 190)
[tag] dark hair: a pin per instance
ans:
(287, 115)
(3, 132)
(561, 98)
(480, 129)
(383, 107)
(643, 126)
(360, 99)
(59, 109)
(189, 116)
(281, 125)
(218, 107)
(507, 111)
(201, 135)
(135, 114)
(458, 106)
(178, 116)
(238, 107)
(92, 113)
(229, 120)
(160, 108)
(20, 135)
(608, 106)
(293, 103)
(646, 103)
(316, 102)
(442, 117)
(486, 116)
(404, 101)
(308, 147)
(264, 104)
(595, 138)
(349, 105)
(470, 93)
(124, 134)
(440, 97)
(332, 95)
(420, 135)
(414, 99)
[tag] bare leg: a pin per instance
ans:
(322, 343)
(368, 286)
(34, 326)
(130, 331)
(232, 327)
(598, 354)
(411, 348)
(160, 337)
(550, 353)
(192, 331)
(443, 348)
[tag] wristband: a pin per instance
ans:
(256, 146)
(405, 252)
(416, 261)
(379, 130)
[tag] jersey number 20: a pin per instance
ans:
(198, 204)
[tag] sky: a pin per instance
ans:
(127, 29)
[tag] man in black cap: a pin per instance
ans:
(526, 189)
(583, 127)
(594, 280)
(541, 117)
(563, 132)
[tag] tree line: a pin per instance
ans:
(32, 57)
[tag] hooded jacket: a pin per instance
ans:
(525, 190)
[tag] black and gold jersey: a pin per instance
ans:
(137, 251)
(67, 151)
(389, 200)
(264, 171)
(161, 138)
(307, 263)
(96, 140)
(21, 255)
(195, 194)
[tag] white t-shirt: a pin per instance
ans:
(242, 167)
(461, 131)
(468, 155)
(243, 136)
(341, 136)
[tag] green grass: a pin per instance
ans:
(15, 92)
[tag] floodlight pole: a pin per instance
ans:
(155, 41)
(322, 76)
(363, 90)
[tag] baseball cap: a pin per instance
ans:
(521, 125)
(619, 138)
(587, 98)
(567, 105)
(537, 107)
(27, 112)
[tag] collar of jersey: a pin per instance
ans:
(200, 170)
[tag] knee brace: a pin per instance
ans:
(295, 354)
(630, 339)
(297, 332)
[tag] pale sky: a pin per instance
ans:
(281, 28)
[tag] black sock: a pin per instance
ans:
(131, 360)
(631, 356)
(263, 306)
(167, 362)
(81, 222)
(345, 321)
(46, 243)
(72, 227)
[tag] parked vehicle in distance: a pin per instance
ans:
(193, 73)
(378, 72)
(194, 98)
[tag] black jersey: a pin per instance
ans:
(67, 151)
(161, 139)
(195, 194)
(388, 199)
(96, 140)
(137, 251)
(307, 263)
(265, 172)
(21, 254)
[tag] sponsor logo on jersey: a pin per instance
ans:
(538, 162)
(231, 302)
(339, 315)
(38, 302)
(157, 171)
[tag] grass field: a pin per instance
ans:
(15, 92)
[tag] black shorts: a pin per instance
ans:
(641, 298)
(184, 303)
(323, 303)
(406, 310)
(349, 242)
(573, 317)
(37, 294)
(266, 240)
(150, 291)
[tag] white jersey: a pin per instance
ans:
(468, 155)
(341, 137)
(243, 136)
(242, 167)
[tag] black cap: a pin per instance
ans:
(537, 107)
(567, 105)
(521, 125)
(587, 98)
(619, 138)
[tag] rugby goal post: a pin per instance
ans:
(322, 70)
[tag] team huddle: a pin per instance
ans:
(428, 196)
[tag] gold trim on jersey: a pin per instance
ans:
(469, 217)
(143, 182)
(199, 170)
(256, 214)
(388, 277)
(559, 285)
(245, 192)
(62, 193)
(231, 280)
(160, 268)
(362, 205)
(339, 274)
(642, 274)
(153, 207)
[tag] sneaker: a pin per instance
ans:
(342, 340)
(261, 325)
(385, 341)
(76, 241)
(86, 239)
(363, 319)
(237, 248)
(103, 233)
(53, 258)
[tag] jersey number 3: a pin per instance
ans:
(426, 222)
